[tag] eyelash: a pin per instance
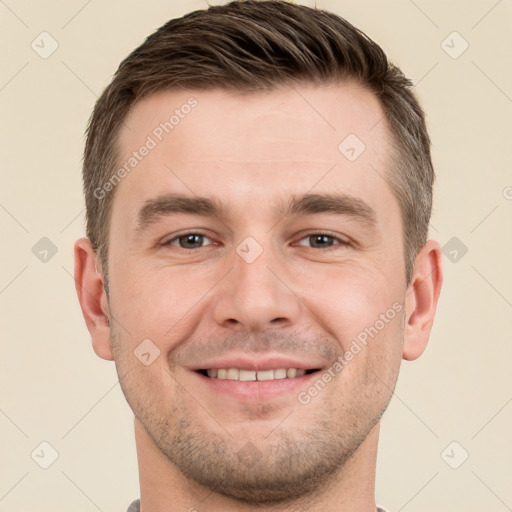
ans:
(340, 241)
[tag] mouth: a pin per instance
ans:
(255, 386)
(254, 378)
(243, 375)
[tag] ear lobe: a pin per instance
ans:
(93, 301)
(421, 299)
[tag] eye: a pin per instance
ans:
(188, 240)
(323, 241)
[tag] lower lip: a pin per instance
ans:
(255, 389)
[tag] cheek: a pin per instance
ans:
(166, 304)
(363, 311)
(350, 299)
(160, 302)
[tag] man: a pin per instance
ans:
(258, 185)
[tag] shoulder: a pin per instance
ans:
(135, 506)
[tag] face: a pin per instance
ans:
(247, 246)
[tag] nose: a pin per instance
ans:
(257, 295)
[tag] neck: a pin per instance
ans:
(163, 487)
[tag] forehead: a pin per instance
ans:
(206, 118)
(253, 147)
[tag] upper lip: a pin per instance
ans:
(256, 363)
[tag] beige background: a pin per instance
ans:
(53, 388)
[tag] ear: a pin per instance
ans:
(93, 300)
(421, 299)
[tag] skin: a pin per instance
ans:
(204, 450)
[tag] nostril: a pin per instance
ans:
(278, 320)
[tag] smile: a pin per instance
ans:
(254, 375)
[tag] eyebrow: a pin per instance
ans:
(306, 204)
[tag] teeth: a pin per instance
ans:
(252, 375)
(280, 374)
(232, 374)
(265, 375)
(247, 375)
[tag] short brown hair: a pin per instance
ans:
(251, 46)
